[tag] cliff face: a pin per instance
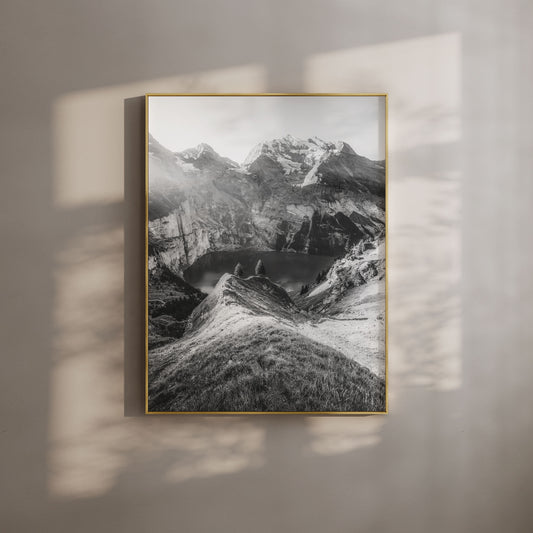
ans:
(293, 195)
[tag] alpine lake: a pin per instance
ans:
(289, 269)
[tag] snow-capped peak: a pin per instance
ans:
(198, 151)
(204, 147)
(203, 155)
(341, 146)
(291, 154)
(255, 152)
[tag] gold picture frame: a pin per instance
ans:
(148, 96)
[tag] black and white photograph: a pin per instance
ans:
(266, 253)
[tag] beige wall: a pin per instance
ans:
(454, 454)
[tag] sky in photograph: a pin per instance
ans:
(233, 125)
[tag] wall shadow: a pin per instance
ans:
(134, 256)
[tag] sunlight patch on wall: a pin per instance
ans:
(234, 445)
(333, 436)
(92, 446)
(89, 130)
(86, 449)
(423, 80)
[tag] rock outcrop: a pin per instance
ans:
(364, 263)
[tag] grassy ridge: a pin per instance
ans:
(265, 368)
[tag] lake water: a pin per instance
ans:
(291, 270)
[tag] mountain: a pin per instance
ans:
(203, 158)
(245, 348)
(287, 158)
(342, 168)
(315, 162)
(308, 196)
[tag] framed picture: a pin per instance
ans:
(266, 253)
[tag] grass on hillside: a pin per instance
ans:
(263, 369)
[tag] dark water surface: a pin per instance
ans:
(291, 270)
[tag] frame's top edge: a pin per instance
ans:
(265, 94)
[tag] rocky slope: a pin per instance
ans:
(170, 302)
(307, 196)
(246, 349)
(363, 263)
(347, 307)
